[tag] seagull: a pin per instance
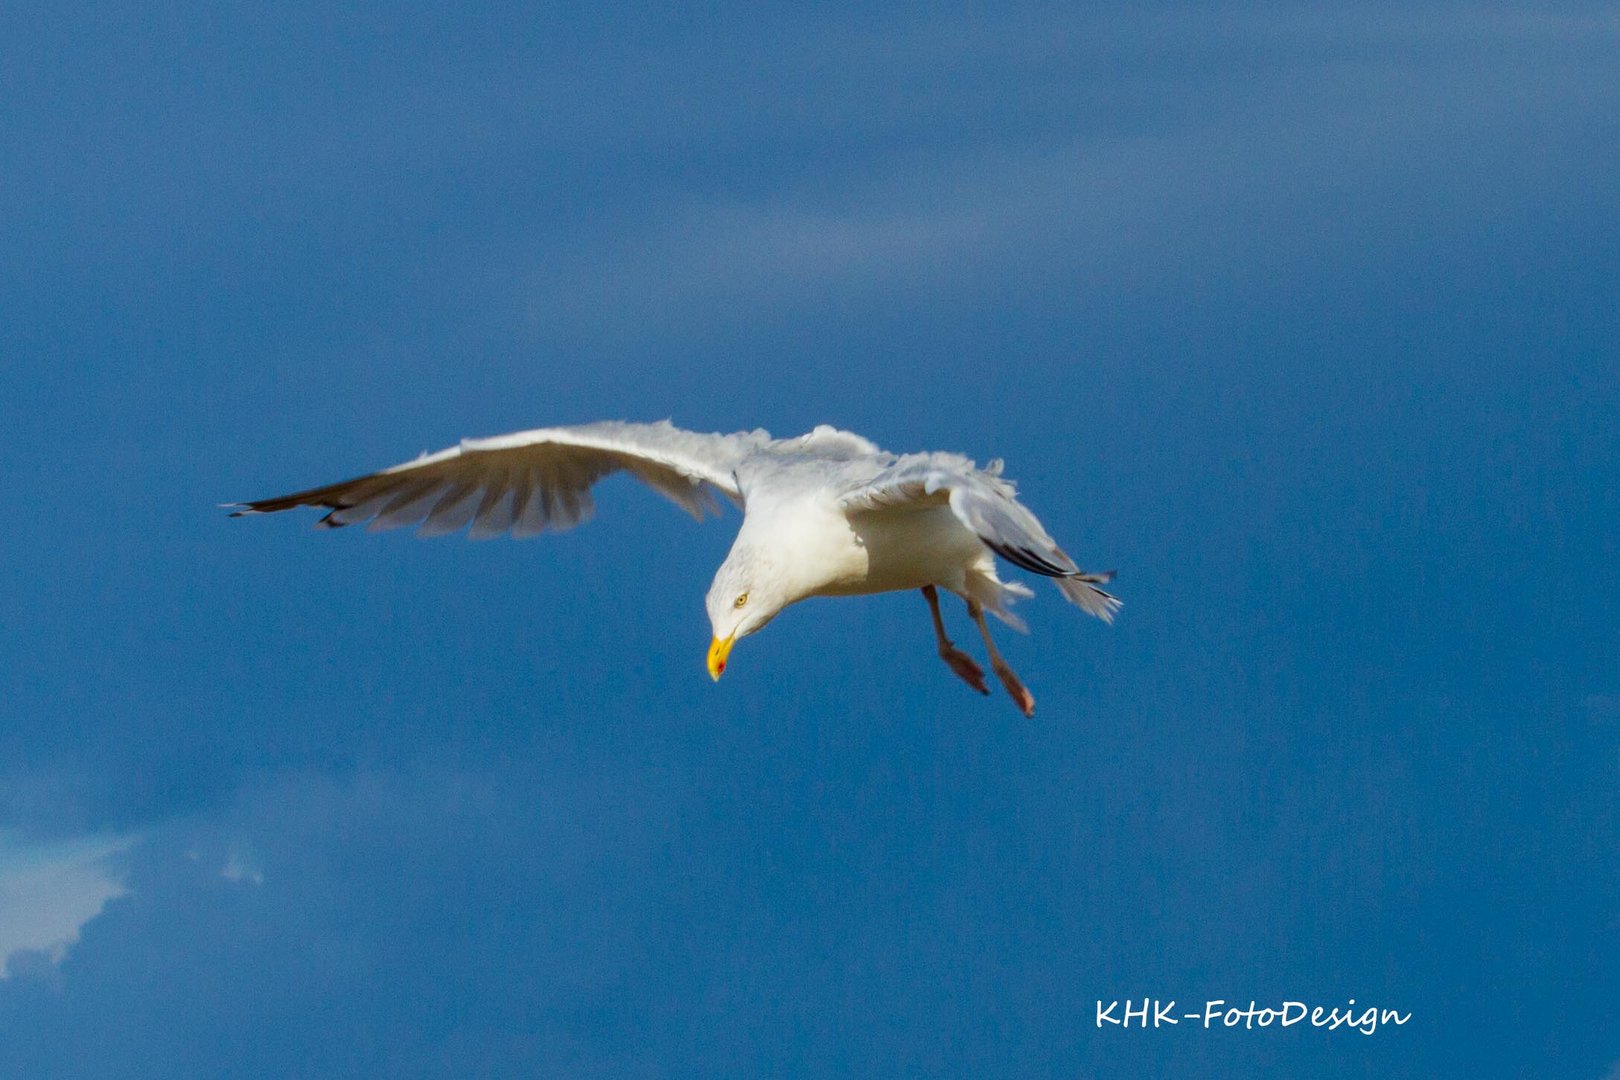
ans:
(824, 514)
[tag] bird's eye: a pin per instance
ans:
(742, 598)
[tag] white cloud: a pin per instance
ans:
(242, 865)
(48, 891)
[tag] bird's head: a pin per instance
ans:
(744, 596)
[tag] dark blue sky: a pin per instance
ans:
(1305, 318)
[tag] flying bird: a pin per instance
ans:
(824, 514)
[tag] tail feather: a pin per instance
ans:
(1082, 591)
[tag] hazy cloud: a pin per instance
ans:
(336, 936)
(1281, 162)
(49, 889)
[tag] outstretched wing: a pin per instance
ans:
(530, 481)
(989, 506)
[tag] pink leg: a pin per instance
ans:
(959, 661)
(1020, 693)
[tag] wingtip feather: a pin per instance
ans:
(1081, 592)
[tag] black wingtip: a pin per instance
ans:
(1025, 559)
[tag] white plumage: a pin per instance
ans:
(825, 514)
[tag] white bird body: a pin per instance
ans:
(926, 546)
(825, 514)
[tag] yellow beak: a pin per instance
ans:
(718, 651)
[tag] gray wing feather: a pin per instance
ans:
(531, 481)
(989, 506)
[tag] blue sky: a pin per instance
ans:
(1305, 318)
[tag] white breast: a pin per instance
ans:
(907, 549)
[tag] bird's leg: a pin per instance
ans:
(959, 661)
(1020, 693)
